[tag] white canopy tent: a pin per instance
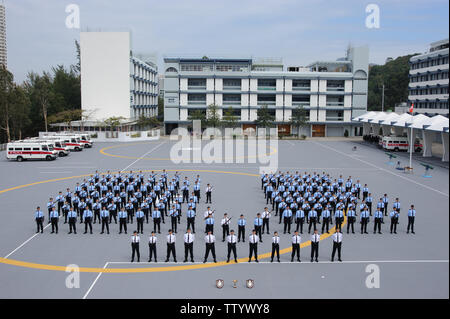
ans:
(429, 126)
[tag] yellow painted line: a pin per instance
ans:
(102, 151)
(32, 265)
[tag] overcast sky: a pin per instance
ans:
(298, 31)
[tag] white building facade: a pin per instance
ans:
(3, 51)
(114, 83)
(428, 80)
(331, 92)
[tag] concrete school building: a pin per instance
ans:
(428, 80)
(332, 92)
(114, 81)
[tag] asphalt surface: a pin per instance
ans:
(410, 266)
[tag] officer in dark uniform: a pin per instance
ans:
(104, 215)
(72, 215)
(39, 218)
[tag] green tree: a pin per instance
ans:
(20, 111)
(41, 94)
(394, 76)
(229, 119)
(113, 122)
(6, 88)
(299, 118)
(148, 122)
(160, 109)
(212, 116)
(264, 118)
(67, 117)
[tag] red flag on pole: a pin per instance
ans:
(411, 109)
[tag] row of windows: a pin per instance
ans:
(144, 73)
(330, 115)
(432, 62)
(432, 105)
(144, 87)
(429, 77)
(441, 90)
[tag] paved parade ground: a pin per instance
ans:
(409, 266)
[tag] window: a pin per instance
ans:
(301, 84)
(196, 83)
(35, 148)
(267, 84)
(27, 148)
(18, 149)
(231, 84)
(267, 99)
(10, 149)
(171, 70)
(44, 148)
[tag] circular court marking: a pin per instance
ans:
(104, 149)
(31, 265)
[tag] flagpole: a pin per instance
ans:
(411, 144)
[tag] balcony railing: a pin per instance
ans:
(267, 88)
(199, 102)
(335, 88)
(301, 88)
(231, 102)
(266, 102)
(334, 118)
(300, 103)
(335, 103)
(196, 87)
(237, 87)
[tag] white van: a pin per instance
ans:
(58, 144)
(73, 142)
(22, 150)
(399, 143)
(85, 139)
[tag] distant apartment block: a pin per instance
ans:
(428, 80)
(114, 82)
(331, 92)
(3, 51)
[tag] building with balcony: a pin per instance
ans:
(331, 92)
(428, 80)
(114, 81)
(3, 52)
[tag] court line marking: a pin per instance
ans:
(24, 243)
(155, 269)
(96, 279)
(383, 169)
(142, 157)
(308, 262)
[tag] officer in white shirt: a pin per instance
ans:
(152, 240)
(208, 192)
(210, 239)
(275, 246)
(189, 245)
(411, 218)
(296, 239)
(135, 246)
(253, 241)
(315, 238)
(265, 217)
(39, 218)
(232, 239)
(225, 226)
(337, 244)
(171, 239)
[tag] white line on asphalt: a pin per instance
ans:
(95, 281)
(60, 172)
(383, 169)
(157, 146)
(24, 243)
(293, 263)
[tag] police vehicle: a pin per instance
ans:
(399, 143)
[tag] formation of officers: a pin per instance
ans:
(310, 199)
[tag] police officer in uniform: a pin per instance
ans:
(189, 245)
(266, 217)
(87, 216)
(135, 239)
(152, 246)
(365, 215)
(54, 218)
(156, 216)
(378, 216)
(39, 218)
(326, 216)
(140, 220)
(210, 239)
(258, 226)
(411, 218)
(315, 238)
(208, 193)
(351, 218)
(122, 220)
(190, 214)
(171, 239)
(312, 215)
(231, 239)
(253, 243)
(394, 220)
(296, 239)
(241, 228)
(337, 244)
(72, 215)
(104, 215)
(275, 246)
(287, 216)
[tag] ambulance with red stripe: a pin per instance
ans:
(22, 150)
(58, 144)
(84, 139)
(399, 143)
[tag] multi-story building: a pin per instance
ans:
(3, 52)
(428, 80)
(114, 82)
(331, 92)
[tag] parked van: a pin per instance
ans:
(22, 150)
(399, 143)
